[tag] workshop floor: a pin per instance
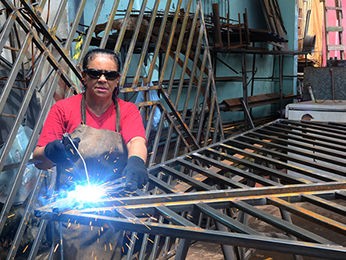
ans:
(211, 251)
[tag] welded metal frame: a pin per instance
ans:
(195, 195)
(212, 178)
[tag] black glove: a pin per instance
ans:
(60, 151)
(135, 173)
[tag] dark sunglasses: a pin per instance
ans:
(96, 74)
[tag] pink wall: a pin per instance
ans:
(332, 36)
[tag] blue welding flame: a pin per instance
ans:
(85, 195)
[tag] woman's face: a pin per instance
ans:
(101, 78)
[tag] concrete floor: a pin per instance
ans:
(211, 251)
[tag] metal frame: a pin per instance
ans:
(205, 194)
(188, 153)
(31, 40)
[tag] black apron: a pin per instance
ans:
(103, 151)
(105, 155)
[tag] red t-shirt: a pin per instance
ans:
(65, 116)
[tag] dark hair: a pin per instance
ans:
(91, 54)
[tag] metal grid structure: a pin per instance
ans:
(37, 62)
(40, 59)
(243, 192)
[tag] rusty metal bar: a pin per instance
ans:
(187, 55)
(198, 92)
(91, 28)
(6, 29)
(159, 40)
(178, 48)
(307, 214)
(75, 25)
(124, 27)
(131, 48)
(109, 24)
(170, 42)
(45, 31)
(149, 32)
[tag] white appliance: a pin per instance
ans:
(323, 111)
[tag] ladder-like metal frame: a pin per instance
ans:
(334, 50)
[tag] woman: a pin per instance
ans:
(102, 122)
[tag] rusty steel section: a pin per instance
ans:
(245, 192)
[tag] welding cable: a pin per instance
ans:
(66, 135)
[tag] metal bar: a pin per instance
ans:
(198, 93)
(75, 24)
(307, 130)
(288, 165)
(196, 184)
(320, 127)
(326, 204)
(194, 70)
(281, 224)
(13, 75)
(159, 40)
(170, 42)
(218, 177)
(244, 240)
(162, 185)
(169, 200)
(203, 110)
(109, 23)
(178, 47)
(253, 143)
(299, 142)
(307, 214)
(180, 121)
(32, 142)
(246, 174)
(327, 125)
(45, 31)
(155, 146)
(191, 82)
(6, 29)
(144, 50)
(231, 223)
(59, 12)
(132, 44)
(91, 29)
(124, 27)
(187, 53)
(28, 211)
(308, 138)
